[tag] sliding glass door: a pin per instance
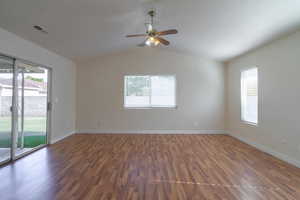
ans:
(6, 94)
(33, 107)
(24, 107)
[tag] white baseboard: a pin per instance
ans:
(268, 150)
(152, 132)
(57, 139)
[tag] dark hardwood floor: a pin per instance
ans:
(149, 167)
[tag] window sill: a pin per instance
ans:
(148, 108)
(250, 123)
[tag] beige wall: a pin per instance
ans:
(278, 131)
(64, 77)
(200, 90)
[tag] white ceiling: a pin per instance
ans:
(219, 29)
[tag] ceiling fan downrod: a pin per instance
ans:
(151, 13)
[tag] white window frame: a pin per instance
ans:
(241, 96)
(150, 106)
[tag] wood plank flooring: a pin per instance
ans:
(150, 167)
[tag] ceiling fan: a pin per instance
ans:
(152, 35)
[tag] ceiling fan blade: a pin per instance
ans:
(137, 35)
(167, 32)
(163, 41)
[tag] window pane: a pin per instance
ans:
(163, 91)
(137, 89)
(249, 90)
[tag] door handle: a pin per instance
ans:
(49, 106)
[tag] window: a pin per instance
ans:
(249, 95)
(150, 91)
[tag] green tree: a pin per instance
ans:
(138, 85)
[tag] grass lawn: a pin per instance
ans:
(32, 124)
(34, 129)
(29, 141)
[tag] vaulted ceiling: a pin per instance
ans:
(218, 29)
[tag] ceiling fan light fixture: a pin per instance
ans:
(151, 41)
(148, 42)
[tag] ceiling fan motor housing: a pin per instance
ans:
(151, 33)
(151, 13)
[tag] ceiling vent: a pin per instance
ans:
(39, 28)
